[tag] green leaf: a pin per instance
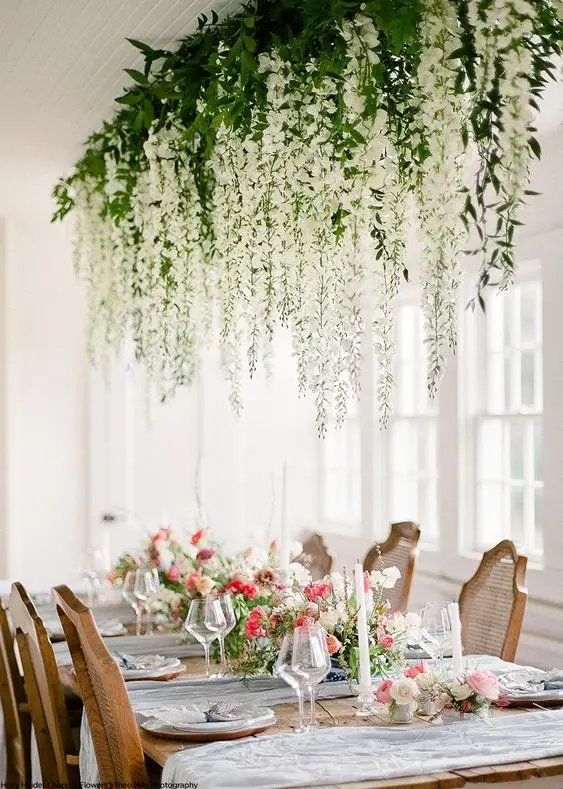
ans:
(249, 43)
(535, 147)
(138, 76)
(130, 98)
(248, 62)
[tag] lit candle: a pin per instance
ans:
(457, 660)
(362, 627)
(283, 561)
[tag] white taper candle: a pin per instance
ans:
(283, 561)
(362, 627)
(457, 659)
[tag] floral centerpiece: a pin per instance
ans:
(332, 604)
(475, 692)
(198, 568)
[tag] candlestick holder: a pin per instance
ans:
(365, 704)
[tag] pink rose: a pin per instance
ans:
(198, 536)
(332, 644)
(414, 671)
(193, 579)
(383, 693)
(254, 627)
(205, 554)
(173, 573)
(384, 639)
(484, 683)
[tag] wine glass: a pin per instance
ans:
(204, 621)
(128, 592)
(230, 621)
(285, 670)
(436, 630)
(311, 660)
(154, 586)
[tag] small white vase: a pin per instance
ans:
(402, 713)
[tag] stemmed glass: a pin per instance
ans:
(129, 594)
(204, 622)
(230, 621)
(436, 630)
(311, 660)
(154, 586)
(285, 670)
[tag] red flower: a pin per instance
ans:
(193, 578)
(322, 589)
(414, 671)
(198, 536)
(304, 621)
(467, 705)
(205, 554)
(173, 573)
(254, 627)
(246, 588)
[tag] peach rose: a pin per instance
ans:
(332, 644)
(204, 585)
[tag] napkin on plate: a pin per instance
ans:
(531, 681)
(183, 716)
(139, 662)
(110, 626)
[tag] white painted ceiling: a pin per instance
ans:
(62, 61)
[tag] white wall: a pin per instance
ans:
(44, 383)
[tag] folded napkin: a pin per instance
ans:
(110, 626)
(183, 716)
(531, 681)
(139, 662)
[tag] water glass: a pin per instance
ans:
(205, 621)
(230, 621)
(436, 630)
(311, 660)
(154, 584)
(285, 670)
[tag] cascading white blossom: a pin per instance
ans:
(442, 116)
(304, 212)
(499, 30)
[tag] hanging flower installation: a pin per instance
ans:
(266, 174)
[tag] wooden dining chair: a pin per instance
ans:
(399, 550)
(17, 725)
(57, 753)
(316, 556)
(111, 719)
(492, 603)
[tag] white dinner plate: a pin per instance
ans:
(211, 731)
(168, 666)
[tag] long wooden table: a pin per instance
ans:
(548, 773)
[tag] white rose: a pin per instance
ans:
(404, 690)
(298, 574)
(460, 690)
(329, 620)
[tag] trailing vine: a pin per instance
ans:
(266, 173)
